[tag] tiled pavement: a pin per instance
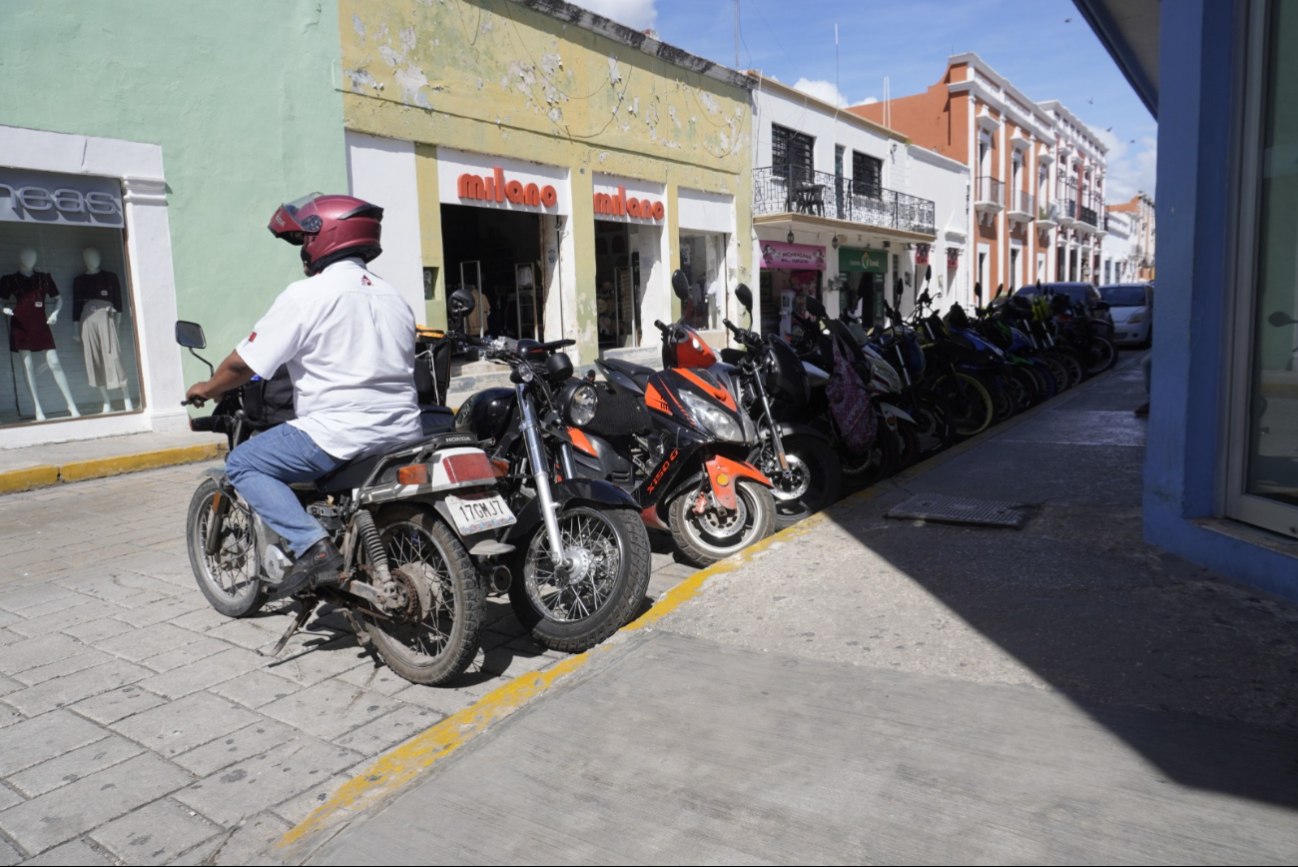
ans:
(139, 726)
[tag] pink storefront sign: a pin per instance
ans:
(776, 254)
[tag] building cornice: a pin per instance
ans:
(980, 91)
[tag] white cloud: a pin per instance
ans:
(1131, 167)
(825, 91)
(636, 14)
(869, 100)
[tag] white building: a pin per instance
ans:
(1118, 250)
(843, 207)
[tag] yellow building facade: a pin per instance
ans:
(554, 163)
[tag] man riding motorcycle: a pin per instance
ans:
(348, 338)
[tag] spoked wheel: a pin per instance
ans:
(1076, 373)
(971, 405)
(711, 533)
(435, 637)
(812, 482)
(1058, 372)
(221, 547)
(1100, 356)
(576, 608)
(1004, 400)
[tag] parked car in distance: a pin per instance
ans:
(1078, 293)
(1132, 308)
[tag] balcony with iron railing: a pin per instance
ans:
(1089, 216)
(794, 190)
(1023, 206)
(1047, 215)
(989, 197)
(1067, 212)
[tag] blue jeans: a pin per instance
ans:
(260, 470)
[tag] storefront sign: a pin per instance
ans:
(619, 204)
(486, 181)
(921, 254)
(628, 200)
(857, 259)
(777, 254)
(494, 188)
(35, 197)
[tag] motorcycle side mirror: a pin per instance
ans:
(1280, 318)
(928, 273)
(897, 289)
(680, 284)
(978, 292)
(745, 296)
(461, 303)
(815, 308)
(1000, 290)
(190, 335)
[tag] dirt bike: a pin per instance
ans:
(416, 527)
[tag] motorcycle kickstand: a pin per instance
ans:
(303, 614)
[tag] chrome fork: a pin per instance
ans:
(531, 429)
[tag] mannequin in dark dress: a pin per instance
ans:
(29, 325)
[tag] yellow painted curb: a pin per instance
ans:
(99, 468)
(398, 766)
(13, 481)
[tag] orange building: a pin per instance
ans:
(1038, 173)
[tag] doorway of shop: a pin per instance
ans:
(496, 255)
(617, 285)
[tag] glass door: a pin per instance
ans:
(1265, 452)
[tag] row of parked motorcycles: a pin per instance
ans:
(547, 490)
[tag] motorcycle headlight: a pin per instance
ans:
(712, 419)
(579, 403)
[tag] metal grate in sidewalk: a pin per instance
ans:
(961, 510)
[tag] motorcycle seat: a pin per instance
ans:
(350, 475)
(638, 373)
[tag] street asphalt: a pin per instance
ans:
(873, 690)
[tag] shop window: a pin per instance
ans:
(703, 259)
(65, 292)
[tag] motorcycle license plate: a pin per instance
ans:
(478, 512)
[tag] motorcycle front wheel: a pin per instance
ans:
(433, 641)
(573, 610)
(813, 481)
(223, 574)
(705, 537)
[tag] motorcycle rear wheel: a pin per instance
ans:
(971, 404)
(439, 646)
(699, 537)
(573, 615)
(1100, 356)
(222, 577)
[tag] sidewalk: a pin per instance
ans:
(868, 689)
(31, 467)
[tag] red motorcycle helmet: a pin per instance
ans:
(329, 228)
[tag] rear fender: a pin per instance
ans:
(596, 493)
(890, 411)
(724, 474)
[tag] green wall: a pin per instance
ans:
(242, 97)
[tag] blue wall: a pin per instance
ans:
(1198, 124)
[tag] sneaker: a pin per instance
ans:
(1143, 409)
(319, 566)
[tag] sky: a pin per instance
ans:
(1045, 47)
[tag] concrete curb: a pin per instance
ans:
(29, 478)
(394, 769)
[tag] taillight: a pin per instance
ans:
(501, 468)
(474, 467)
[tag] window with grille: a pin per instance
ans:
(794, 150)
(867, 175)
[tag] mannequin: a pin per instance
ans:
(29, 324)
(97, 310)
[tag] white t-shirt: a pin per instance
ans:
(348, 339)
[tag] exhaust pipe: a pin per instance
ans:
(500, 580)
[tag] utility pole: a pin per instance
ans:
(736, 34)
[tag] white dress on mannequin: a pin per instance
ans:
(98, 320)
